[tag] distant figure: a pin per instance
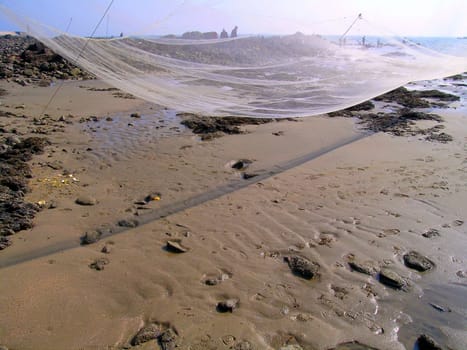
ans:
(363, 41)
(234, 32)
(121, 35)
(224, 34)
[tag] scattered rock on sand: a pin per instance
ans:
(228, 305)
(432, 232)
(91, 237)
(4, 242)
(99, 264)
(363, 267)
(425, 342)
(168, 340)
(106, 249)
(354, 345)
(241, 164)
(150, 332)
(176, 246)
(416, 261)
(391, 279)
(243, 345)
(85, 200)
(132, 223)
(303, 267)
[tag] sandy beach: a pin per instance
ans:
(286, 249)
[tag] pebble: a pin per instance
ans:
(175, 246)
(128, 223)
(391, 279)
(303, 267)
(243, 345)
(85, 200)
(99, 264)
(362, 267)
(106, 249)
(432, 232)
(228, 305)
(416, 261)
(91, 237)
(147, 333)
(425, 342)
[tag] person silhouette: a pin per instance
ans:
(224, 34)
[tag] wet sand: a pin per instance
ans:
(316, 195)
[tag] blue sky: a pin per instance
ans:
(403, 17)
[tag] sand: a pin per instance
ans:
(325, 190)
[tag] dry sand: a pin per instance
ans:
(369, 200)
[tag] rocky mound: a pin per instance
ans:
(25, 60)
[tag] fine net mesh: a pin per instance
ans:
(253, 75)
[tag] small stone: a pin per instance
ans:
(175, 246)
(391, 279)
(128, 223)
(432, 232)
(228, 305)
(99, 264)
(4, 242)
(211, 282)
(425, 342)
(243, 345)
(154, 196)
(85, 200)
(362, 267)
(135, 115)
(303, 267)
(241, 164)
(416, 261)
(168, 340)
(91, 237)
(247, 176)
(147, 333)
(106, 249)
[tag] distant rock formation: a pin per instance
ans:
(196, 35)
(224, 34)
(210, 35)
(233, 34)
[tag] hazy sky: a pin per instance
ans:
(403, 17)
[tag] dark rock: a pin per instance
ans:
(135, 115)
(175, 246)
(353, 345)
(247, 176)
(303, 267)
(241, 164)
(362, 267)
(99, 264)
(432, 232)
(436, 94)
(168, 339)
(91, 237)
(416, 261)
(228, 305)
(150, 332)
(243, 345)
(154, 196)
(404, 97)
(86, 200)
(441, 137)
(391, 279)
(128, 223)
(219, 125)
(425, 342)
(4, 242)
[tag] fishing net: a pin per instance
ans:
(253, 75)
